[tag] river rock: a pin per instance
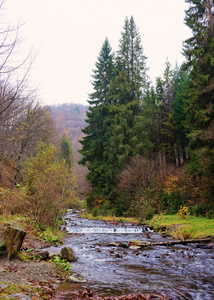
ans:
(112, 244)
(139, 243)
(42, 254)
(123, 245)
(133, 247)
(68, 254)
(52, 254)
(204, 246)
(72, 279)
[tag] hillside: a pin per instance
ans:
(71, 117)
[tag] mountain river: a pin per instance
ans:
(178, 272)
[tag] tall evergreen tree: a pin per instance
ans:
(66, 149)
(199, 98)
(128, 86)
(93, 144)
(181, 78)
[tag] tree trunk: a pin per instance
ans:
(11, 241)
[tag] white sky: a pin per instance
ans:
(69, 35)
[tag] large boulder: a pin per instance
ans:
(68, 254)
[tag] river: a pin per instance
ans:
(178, 272)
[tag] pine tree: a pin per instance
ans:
(66, 149)
(181, 78)
(127, 89)
(93, 144)
(199, 98)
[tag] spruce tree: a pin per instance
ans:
(199, 98)
(66, 149)
(94, 141)
(181, 78)
(127, 90)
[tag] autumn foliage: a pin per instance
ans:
(50, 185)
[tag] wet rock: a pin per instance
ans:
(42, 254)
(52, 254)
(133, 247)
(123, 245)
(68, 254)
(19, 296)
(139, 243)
(72, 279)
(117, 255)
(204, 246)
(112, 244)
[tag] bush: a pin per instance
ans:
(199, 209)
(183, 212)
(150, 213)
(95, 212)
(171, 202)
(12, 201)
(50, 185)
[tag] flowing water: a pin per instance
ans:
(179, 272)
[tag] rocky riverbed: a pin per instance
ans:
(112, 264)
(114, 259)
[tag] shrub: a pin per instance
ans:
(95, 212)
(12, 201)
(183, 212)
(50, 185)
(199, 209)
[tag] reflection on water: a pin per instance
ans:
(183, 272)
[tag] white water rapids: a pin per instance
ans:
(106, 229)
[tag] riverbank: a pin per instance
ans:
(28, 277)
(28, 274)
(187, 228)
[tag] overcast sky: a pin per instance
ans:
(69, 35)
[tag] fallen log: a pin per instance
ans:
(11, 241)
(182, 242)
(144, 244)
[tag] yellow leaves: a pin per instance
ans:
(50, 184)
(183, 212)
(171, 184)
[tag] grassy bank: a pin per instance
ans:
(189, 228)
(109, 217)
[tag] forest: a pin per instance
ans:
(145, 148)
(149, 149)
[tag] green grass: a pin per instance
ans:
(109, 217)
(190, 228)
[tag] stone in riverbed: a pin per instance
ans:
(123, 245)
(52, 254)
(72, 279)
(139, 243)
(112, 244)
(132, 247)
(68, 254)
(42, 254)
